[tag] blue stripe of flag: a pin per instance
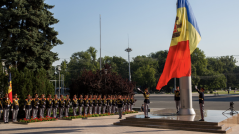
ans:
(191, 18)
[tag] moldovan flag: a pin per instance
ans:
(10, 87)
(186, 36)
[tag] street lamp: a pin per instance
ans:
(59, 70)
(3, 64)
(129, 50)
(55, 79)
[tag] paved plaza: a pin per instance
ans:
(104, 125)
(94, 125)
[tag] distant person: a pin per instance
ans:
(142, 108)
(228, 91)
(146, 101)
(201, 103)
(177, 98)
(120, 105)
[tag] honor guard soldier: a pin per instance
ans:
(6, 107)
(74, 105)
(104, 104)
(49, 103)
(113, 103)
(55, 106)
(95, 104)
(81, 104)
(86, 104)
(67, 105)
(15, 108)
(116, 107)
(108, 104)
(120, 105)
(99, 100)
(42, 105)
(61, 106)
(177, 98)
(35, 104)
(201, 103)
(128, 103)
(124, 103)
(28, 107)
(146, 101)
(90, 104)
(132, 102)
(1, 108)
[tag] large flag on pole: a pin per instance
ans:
(10, 87)
(186, 36)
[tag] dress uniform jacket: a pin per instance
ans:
(114, 102)
(27, 104)
(132, 101)
(146, 97)
(67, 103)
(99, 101)
(94, 101)
(90, 102)
(55, 103)
(49, 103)
(75, 102)
(35, 103)
(177, 96)
(61, 103)
(6, 103)
(108, 102)
(201, 97)
(86, 102)
(1, 106)
(42, 102)
(15, 104)
(119, 103)
(81, 103)
(104, 101)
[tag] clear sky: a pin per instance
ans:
(149, 24)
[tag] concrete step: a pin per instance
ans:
(171, 121)
(175, 123)
(227, 130)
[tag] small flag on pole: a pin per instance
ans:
(10, 87)
(186, 36)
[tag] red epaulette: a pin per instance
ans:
(47, 98)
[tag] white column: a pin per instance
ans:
(186, 96)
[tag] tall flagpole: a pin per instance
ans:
(185, 84)
(100, 42)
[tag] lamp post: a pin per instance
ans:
(55, 79)
(59, 70)
(3, 64)
(129, 50)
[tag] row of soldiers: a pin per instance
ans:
(88, 105)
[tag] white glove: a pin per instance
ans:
(23, 109)
(138, 89)
(11, 109)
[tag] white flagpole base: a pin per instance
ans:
(186, 96)
(186, 111)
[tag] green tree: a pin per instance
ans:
(27, 35)
(145, 76)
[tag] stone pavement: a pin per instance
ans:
(93, 125)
